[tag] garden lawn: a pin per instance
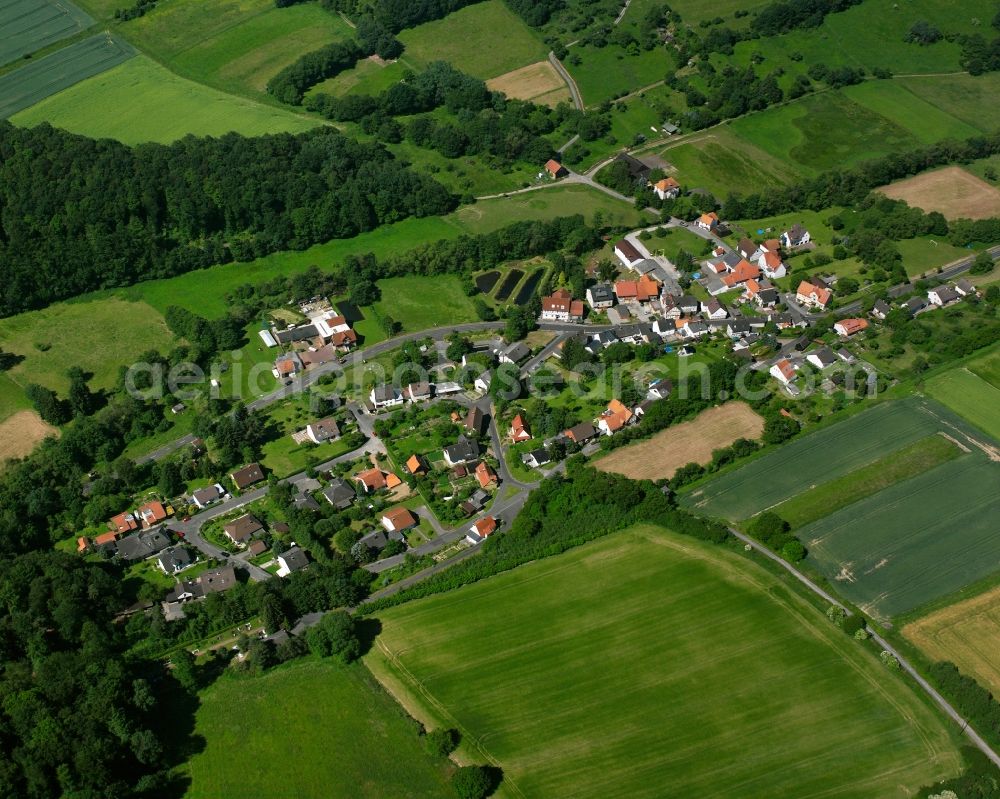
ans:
(648, 665)
(312, 730)
(141, 101)
(910, 461)
(815, 459)
(970, 396)
(483, 40)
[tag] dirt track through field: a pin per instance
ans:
(952, 191)
(694, 441)
(21, 432)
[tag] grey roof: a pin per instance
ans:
(174, 559)
(463, 450)
(914, 304)
(295, 559)
(768, 296)
(845, 355)
(479, 497)
(340, 493)
(602, 292)
(582, 432)
(377, 539)
(946, 293)
(248, 475)
(296, 334)
(243, 528)
(737, 326)
(670, 285)
(637, 170)
(306, 501)
(730, 259)
(645, 265)
(539, 456)
(965, 286)
(212, 581)
(517, 352)
(881, 307)
(325, 429)
(142, 545)
(825, 356)
(385, 393)
(206, 495)
(688, 301)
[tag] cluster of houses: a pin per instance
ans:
(387, 395)
(326, 337)
(131, 535)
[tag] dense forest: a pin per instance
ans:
(78, 214)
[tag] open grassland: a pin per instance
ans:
(688, 442)
(30, 25)
(484, 40)
(533, 82)
(925, 122)
(815, 459)
(722, 161)
(236, 45)
(140, 101)
(954, 192)
(966, 633)
(370, 76)
(312, 729)
(24, 87)
(20, 433)
(914, 542)
(910, 461)
(418, 302)
(607, 72)
(969, 98)
(823, 131)
(99, 336)
(987, 367)
(489, 215)
(646, 665)
(925, 253)
(970, 396)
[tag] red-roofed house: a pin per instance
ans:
(848, 327)
(485, 475)
(667, 189)
(808, 294)
(371, 479)
(554, 168)
(398, 519)
(708, 221)
(771, 264)
(481, 529)
(124, 523)
(742, 272)
(614, 418)
(642, 290)
(784, 370)
(560, 306)
(104, 539)
(519, 430)
(151, 513)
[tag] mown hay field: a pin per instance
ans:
(648, 665)
(952, 191)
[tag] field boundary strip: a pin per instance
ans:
(37, 80)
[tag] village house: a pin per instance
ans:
(518, 431)
(637, 170)
(416, 465)
(213, 581)
(483, 382)
(329, 323)
(627, 253)
(614, 418)
(822, 358)
(462, 451)
(748, 249)
(340, 494)
(667, 189)
(555, 169)
(474, 422)
(913, 305)
(142, 545)
(742, 272)
(241, 530)
(709, 221)
(124, 522)
(600, 296)
(204, 497)
(418, 392)
(880, 310)
(323, 430)
(173, 560)
(642, 290)
(659, 388)
(378, 539)
(795, 236)
(385, 396)
(560, 306)
(812, 295)
(398, 519)
(536, 458)
(771, 265)
(247, 476)
(850, 327)
(784, 370)
(845, 355)
(580, 433)
(305, 501)
(293, 560)
(942, 295)
(287, 366)
(715, 310)
(483, 528)
(486, 477)
(371, 480)
(965, 289)
(514, 354)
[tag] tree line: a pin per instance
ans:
(78, 214)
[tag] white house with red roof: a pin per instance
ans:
(560, 306)
(667, 189)
(709, 221)
(812, 295)
(784, 370)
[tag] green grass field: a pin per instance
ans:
(236, 45)
(970, 99)
(987, 367)
(27, 85)
(970, 396)
(905, 107)
(904, 463)
(607, 72)
(815, 459)
(30, 25)
(484, 40)
(368, 77)
(419, 302)
(141, 101)
(312, 730)
(823, 131)
(647, 665)
(96, 335)
(488, 215)
(914, 542)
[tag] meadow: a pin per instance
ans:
(905, 107)
(484, 40)
(30, 25)
(970, 396)
(310, 729)
(647, 665)
(141, 101)
(987, 367)
(904, 463)
(27, 85)
(971, 99)
(607, 72)
(419, 302)
(916, 541)
(814, 459)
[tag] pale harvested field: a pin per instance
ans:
(954, 192)
(663, 454)
(966, 633)
(21, 432)
(538, 81)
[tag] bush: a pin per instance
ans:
(472, 782)
(441, 742)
